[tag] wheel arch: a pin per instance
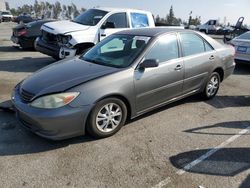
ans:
(220, 71)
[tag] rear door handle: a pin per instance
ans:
(211, 57)
(178, 67)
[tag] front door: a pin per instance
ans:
(114, 23)
(154, 86)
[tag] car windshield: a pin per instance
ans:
(117, 50)
(245, 36)
(90, 17)
(5, 13)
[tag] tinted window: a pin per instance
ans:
(119, 19)
(165, 49)
(90, 17)
(139, 20)
(192, 44)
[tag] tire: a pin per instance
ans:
(107, 125)
(212, 86)
(57, 58)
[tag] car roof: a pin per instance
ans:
(111, 9)
(152, 32)
(157, 31)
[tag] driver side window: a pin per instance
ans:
(165, 49)
(119, 20)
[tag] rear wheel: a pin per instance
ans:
(107, 118)
(212, 86)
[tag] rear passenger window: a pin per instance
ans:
(165, 49)
(139, 20)
(192, 44)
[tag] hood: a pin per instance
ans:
(64, 75)
(63, 27)
(7, 15)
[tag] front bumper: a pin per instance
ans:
(47, 48)
(54, 50)
(54, 124)
(6, 19)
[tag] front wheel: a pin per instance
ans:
(107, 118)
(212, 86)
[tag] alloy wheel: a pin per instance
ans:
(109, 117)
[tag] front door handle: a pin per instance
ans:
(103, 35)
(178, 67)
(211, 57)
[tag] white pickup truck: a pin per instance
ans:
(63, 39)
(210, 27)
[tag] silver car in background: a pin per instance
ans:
(242, 47)
(125, 75)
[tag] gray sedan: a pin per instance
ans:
(125, 75)
(242, 47)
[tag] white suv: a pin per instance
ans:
(63, 39)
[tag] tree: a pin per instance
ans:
(45, 9)
(157, 19)
(83, 9)
(75, 10)
(170, 16)
(69, 11)
(57, 9)
(7, 6)
(37, 9)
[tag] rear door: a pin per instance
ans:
(154, 86)
(199, 58)
(119, 21)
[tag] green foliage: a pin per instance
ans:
(7, 6)
(169, 20)
(45, 9)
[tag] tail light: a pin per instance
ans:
(22, 32)
(233, 48)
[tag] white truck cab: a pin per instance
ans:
(5, 16)
(210, 27)
(63, 39)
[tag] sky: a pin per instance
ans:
(207, 9)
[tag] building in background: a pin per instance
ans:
(2, 5)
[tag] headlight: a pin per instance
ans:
(64, 39)
(54, 101)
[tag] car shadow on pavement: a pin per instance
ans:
(26, 64)
(230, 125)
(230, 101)
(224, 162)
(242, 68)
(190, 99)
(15, 140)
(10, 49)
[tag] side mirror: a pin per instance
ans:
(149, 63)
(108, 25)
